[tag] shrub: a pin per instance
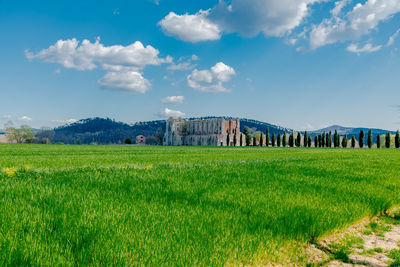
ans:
(128, 141)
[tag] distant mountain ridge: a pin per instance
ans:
(109, 131)
(106, 131)
(350, 130)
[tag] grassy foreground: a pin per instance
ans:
(120, 205)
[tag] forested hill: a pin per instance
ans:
(108, 131)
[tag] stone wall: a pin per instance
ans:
(211, 132)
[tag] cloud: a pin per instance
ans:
(359, 21)
(170, 113)
(126, 60)
(367, 48)
(339, 5)
(393, 38)
(211, 80)
(270, 17)
(68, 121)
(173, 99)
(6, 117)
(190, 28)
(183, 65)
(130, 81)
(246, 17)
(25, 119)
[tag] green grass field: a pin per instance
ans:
(128, 205)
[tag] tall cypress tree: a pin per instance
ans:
(234, 140)
(278, 141)
(319, 140)
(353, 141)
(387, 140)
(228, 140)
(305, 139)
(254, 141)
(291, 140)
(338, 140)
(323, 139)
(369, 139)
(330, 139)
(241, 139)
(344, 141)
(309, 141)
(397, 140)
(273, 139)
(298, 140)
(284, 139)
(267, 137)
(247, 135)
(261, 140)
(335, 144)
(378, 141)
(361, 139)
(316, 141)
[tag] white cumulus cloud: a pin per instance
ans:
(190, 28)
(246, 17)
(131, 81)
(367, 48)
(25, 119)
(170, 113)
(211, 80)
(173, 99)
(359, 21)
(270, 17)
(123, 62)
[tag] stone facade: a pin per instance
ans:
(211, 132)
(140, 140)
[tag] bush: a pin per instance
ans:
(128, 141)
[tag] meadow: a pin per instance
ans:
(132, 205)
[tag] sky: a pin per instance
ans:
(301, 64)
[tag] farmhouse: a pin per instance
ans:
(210, 132)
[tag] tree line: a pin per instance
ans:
(322, 140)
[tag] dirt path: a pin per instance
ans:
(373, 242)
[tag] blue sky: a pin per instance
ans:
(302, 64)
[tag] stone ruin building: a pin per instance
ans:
(140, 140)
(210, 132)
